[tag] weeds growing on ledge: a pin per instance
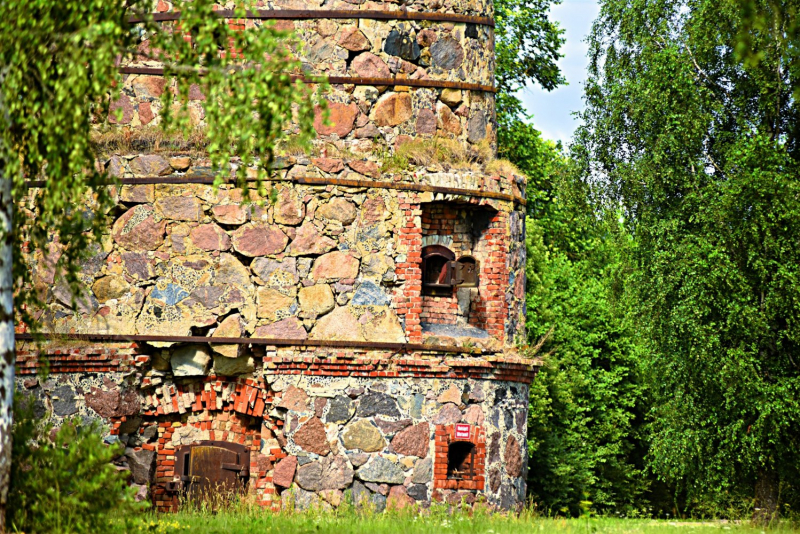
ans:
(116, 141)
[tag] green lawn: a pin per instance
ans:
(437, 521)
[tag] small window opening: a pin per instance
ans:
(460, 460)
(466, 272)
(437, 271)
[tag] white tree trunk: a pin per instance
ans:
(7, 352)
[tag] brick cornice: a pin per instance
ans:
(111, 357)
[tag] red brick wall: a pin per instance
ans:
(445, 434)
(408, 298)
(449, 220)
(237, 419)
(80, 357)
(250, 397)
(488, 308)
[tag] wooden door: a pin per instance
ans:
(213, 471)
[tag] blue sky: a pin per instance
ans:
(552, 112)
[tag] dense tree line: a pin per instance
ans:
(663, 267)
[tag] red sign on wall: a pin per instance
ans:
(463, 431)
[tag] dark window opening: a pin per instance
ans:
(460, 460)
(437, 271)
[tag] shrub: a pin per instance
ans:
(62, 480)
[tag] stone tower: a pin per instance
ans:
(355, 339)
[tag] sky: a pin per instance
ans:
(552, 112)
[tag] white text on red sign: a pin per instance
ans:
(463, 431)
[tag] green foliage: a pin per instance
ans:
(59, 73)
(700, 150)
(62, 480)
(585, 450)
(776, 24)
(586, 402)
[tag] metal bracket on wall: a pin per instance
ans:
(370, 345)
(314, 180)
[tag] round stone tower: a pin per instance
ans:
(354, 340)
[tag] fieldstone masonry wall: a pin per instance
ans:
(298, 328)
(363, 425)
(323, 262)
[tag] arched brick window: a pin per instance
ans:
(437, 270)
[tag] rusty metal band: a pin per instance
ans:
(424, 188)
(350, 80)
(314, 180)
(370, 345)
(305, 14)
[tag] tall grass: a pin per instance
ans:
(247, 517)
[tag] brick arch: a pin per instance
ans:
(211, 409)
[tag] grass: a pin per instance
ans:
(292, 146)
(248, 518)
(502, 167)
(450, 154)
(150, 139)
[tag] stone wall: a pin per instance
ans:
(366, 119)
(369, 48)
(298, 327)
(467, 7)
(322, 262)
(331, 425)
(366, 116)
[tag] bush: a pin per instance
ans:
(586, 402)
(62, 480)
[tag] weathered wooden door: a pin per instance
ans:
(213, 471)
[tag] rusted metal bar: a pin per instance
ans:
(437, 84)
(350, 80)
(305, 14)
(314, 180)
(425, 188)
(372, 345)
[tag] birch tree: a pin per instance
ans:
(692, 128)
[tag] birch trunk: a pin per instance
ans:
(6, 339)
